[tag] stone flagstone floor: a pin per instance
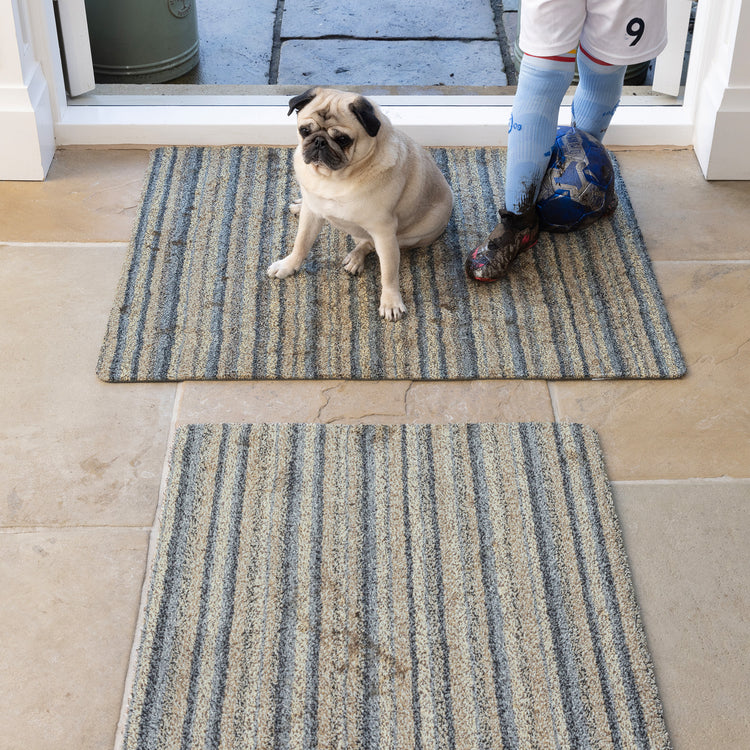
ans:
(403, 42)
(81, 461)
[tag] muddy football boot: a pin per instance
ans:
(610, 203)
(513, 234)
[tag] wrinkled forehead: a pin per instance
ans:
(328, 109)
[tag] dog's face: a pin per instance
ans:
(335, 129)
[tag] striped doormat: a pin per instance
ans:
(411, 586)
(195, 303)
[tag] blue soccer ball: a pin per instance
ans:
(579, 185)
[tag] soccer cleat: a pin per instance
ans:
(513, 234)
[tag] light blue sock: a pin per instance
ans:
(597, 95)
(542, 83)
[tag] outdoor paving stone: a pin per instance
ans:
(350, 62)
(388, 18)
(235, 44)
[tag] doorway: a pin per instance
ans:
(378, 47)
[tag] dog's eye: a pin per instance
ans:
(343, 140)
(304, 131)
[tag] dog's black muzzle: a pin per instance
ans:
(317, 150)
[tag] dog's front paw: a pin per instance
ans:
(354, 263)
(295, 206)
(282, 268)
(391, 306)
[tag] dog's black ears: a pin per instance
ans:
(296, 103)
(361, 108)
(365, 113)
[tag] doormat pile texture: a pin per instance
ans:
(411, 586)
(195, 303)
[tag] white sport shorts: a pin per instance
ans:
(618, 32)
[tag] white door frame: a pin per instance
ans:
(713, 118)
(27, 138)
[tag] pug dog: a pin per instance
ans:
(356, 171)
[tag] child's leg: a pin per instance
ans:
(597, 95)
(542, 83)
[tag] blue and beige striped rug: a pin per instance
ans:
(195, 303)
(412, 586)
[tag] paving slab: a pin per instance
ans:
(371, 19)
(695, 426)
(89, 195)
(688, 552)
(73, 450)
(684, 216)
(235, 42)
(348, 62)
(364, 402)
(70, 606)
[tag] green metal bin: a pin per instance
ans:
(142, 41)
